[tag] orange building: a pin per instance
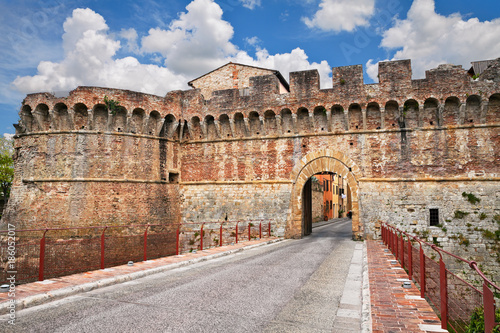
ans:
(335, 195)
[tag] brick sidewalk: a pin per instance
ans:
(35, 293)
(394, 308)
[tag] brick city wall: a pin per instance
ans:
(186, 157)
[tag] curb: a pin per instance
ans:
(46, 297)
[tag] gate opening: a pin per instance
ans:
(325, 196)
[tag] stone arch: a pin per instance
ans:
(80, 116)
(137, 121)
(153, 123)
(320, 119)
(195, 128)
(373, 120)
(42, 117)
(270, 123)
(286, 121)
(169, 126)
(225, 126)
(430, 116)
(338, 118)
(119, 120)
(211, 129)
(451, 111)
(493, 113)
(27, 118)
(472, 110)
(239, 125)
(410, 114)
(324, 160)
(303, 123)
(61, 117)
(391, 114)
(254, 123)
(355, 117)
(100, 121)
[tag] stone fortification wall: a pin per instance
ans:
(243, 150)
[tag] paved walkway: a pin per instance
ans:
(387, 307)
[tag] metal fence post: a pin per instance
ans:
(103, 238)
(220, 234)
(402, 253)
(177, 241)
(41, 266)
(237, 232)
(260, 230)
(443, 288)
(489, 308)
(269, 232)
(146, 243)
(201, 237)
(410, 259)
(422, 272)
(249, 230)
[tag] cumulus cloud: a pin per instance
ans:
(198, 41)
(89, 60)
(341, 15)
(430, 39)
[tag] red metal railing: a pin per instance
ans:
(453, 298)
(200, 235)
(52, 252)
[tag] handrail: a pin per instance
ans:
(389, 237)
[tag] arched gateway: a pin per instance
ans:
(324, 160)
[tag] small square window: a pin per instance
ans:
(434, 216)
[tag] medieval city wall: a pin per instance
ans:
(406, 144)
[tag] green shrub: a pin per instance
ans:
(460, 215)
(476, 324)
(471, 198)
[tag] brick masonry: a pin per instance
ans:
(404, 146)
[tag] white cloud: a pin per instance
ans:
(341, 15)
(89, 60)
(296, 60)
(198, 41)
(430, 39)
(130, 35)
(250, 4)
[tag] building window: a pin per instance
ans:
(434, 216)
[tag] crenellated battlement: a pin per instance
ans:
(446, 97)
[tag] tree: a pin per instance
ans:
(6, 165)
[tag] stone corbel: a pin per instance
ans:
(181, 131)
(203, 126)
(278, 125)
(247, 126)
(363, 112)
(231, 126)
(190, 130)
(294, 122)
(311, 122)
(346, 120)
(382, 118)
(262, 126)
(484, 111)
(463, 108)
(329, 120)
(217, 128)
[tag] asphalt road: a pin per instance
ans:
(307, 285)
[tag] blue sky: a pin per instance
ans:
(158, 46)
